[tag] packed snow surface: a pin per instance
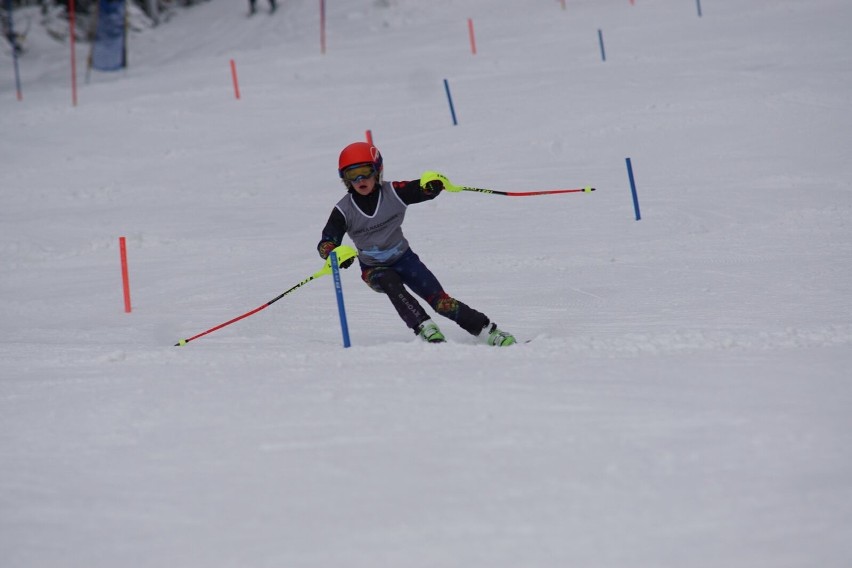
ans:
(684, 401)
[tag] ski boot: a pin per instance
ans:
(496, 337)
(429, 332)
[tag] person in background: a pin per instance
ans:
(372, 213)
(253, 6)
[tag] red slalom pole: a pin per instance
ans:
(125, 278)
(13, 39)
(234, 78)
(472, 36)
(71, 11)
(322, 26)
(369, 134)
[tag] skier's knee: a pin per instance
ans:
(444, 304)
(381, 279)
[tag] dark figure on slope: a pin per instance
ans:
(253, 6)
(372, 214)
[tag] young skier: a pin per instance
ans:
(372, 213)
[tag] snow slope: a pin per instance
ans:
(684, 401)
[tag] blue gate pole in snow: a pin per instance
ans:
(338, 289)
(633, 189)
(450, 100)
(698, 3)
(600, 41)
(14, 41)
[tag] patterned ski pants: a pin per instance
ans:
(410, 271)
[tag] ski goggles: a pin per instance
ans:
(358, 172)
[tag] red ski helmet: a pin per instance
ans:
(360, 153)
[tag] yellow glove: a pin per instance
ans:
(432, 183)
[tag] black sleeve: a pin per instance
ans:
(411, 192)
(332, 233)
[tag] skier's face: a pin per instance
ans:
(365, 185)
(362, 177)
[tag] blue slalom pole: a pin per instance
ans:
(450, 100)
(338, 289)
(600, 41)
(698, 3)
(633, 189)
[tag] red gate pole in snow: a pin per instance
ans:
(13, 39)
(472, 36)
(125, 278)
(322, 26)
(71, 11)
(234, 77)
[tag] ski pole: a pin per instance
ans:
(430, 176)
(588, 189)
(344, 253)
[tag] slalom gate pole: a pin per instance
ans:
(322, 26)
(344, 253)
(450, 101)
(633, 189)
(125, 274)
(338, 290)
(73, 41)
(14, 41)
(235, 80)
